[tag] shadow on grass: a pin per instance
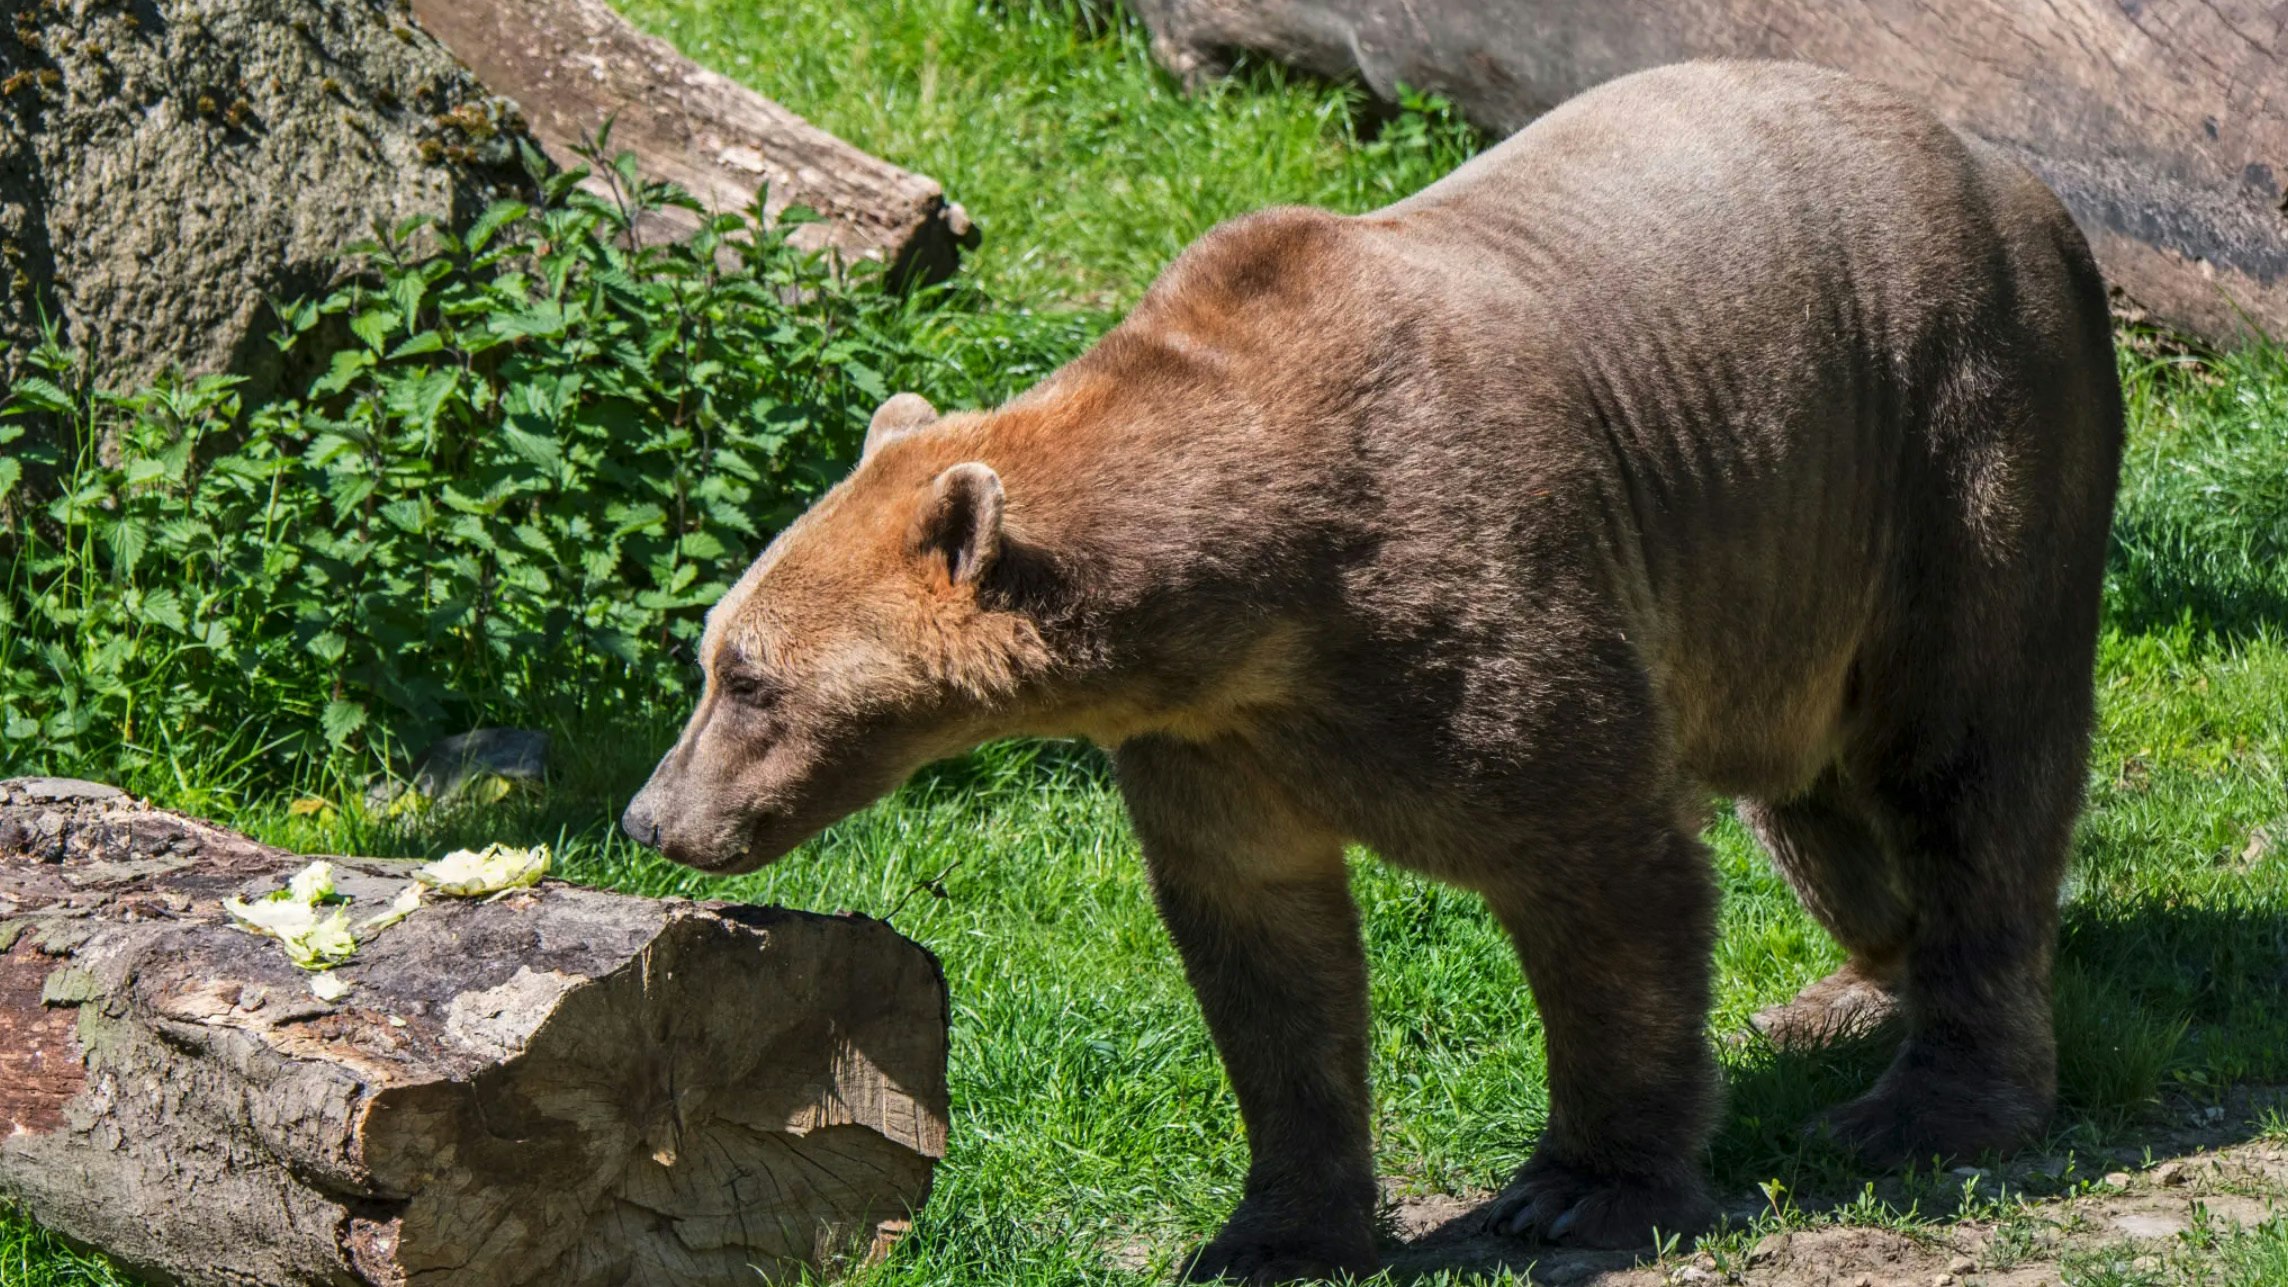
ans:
(2160, 577)
(2171, 1039)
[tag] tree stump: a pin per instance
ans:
(562, 1086)
(571, 65)
(2164, 127)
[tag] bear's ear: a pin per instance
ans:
(900, 416)
(961, 522)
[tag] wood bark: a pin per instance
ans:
(563, 1086)
(571, 65)
(2163, 126)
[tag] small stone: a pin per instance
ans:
(1961, 1265)
(1772, 1244)
(2138, 1224)
(1692, 1274)
(491, 758)
(2169, 1173)
(1942, 1280)
(2117, 1179)
(57, 789)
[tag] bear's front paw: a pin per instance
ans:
(1250, 1250)
(1554, 1202)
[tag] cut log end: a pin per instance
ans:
(564, 1086)
(733, 1098)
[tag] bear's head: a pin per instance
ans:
(866, 641)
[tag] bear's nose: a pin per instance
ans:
(640, 825)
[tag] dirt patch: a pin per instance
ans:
(2204, 1173)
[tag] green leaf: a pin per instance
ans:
(542, 321)
(374, 327)
(129, 537)
(537, 449)
(38, 395)
(496, 216)
(163, 608)
(421, 399)
(340, 719)
(425, 342)
(348, 365)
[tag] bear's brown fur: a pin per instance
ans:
(1736, 428)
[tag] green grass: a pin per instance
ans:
(1088, 1107)
(1082, 166)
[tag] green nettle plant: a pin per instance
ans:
(540, 453)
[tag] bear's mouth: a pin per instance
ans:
(770, 837)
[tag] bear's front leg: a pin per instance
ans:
(1615, 938)
(1258, 902)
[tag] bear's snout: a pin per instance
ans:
(690, 827)
(639, 824)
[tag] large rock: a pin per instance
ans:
(2163, 126)
(167, 164)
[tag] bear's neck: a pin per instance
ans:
(1167, 523)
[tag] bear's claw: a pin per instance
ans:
(1556, 1203)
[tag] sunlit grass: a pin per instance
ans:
(1088, 1107)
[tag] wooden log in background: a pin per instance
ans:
(573, 64)
(561, 1087)
(2164, 126)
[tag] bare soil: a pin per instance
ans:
(2210, 1167)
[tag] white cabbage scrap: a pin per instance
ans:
(308, 920)
(302, 917)
(498, 868)
(408, 901)
(313, 884)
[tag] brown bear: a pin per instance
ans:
(1736, 429)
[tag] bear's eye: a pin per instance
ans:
(746, 685)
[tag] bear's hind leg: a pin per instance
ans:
(1616, 946)
(1981, 838)
(1822, 842)
(1258, 902)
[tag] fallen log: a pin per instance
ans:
(563, 1086)
(572, 65)
(2163, 126)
